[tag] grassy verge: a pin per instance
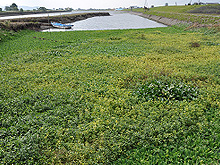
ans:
(112, 97)
(6, 35)
(182, 13)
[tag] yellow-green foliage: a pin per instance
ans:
(73, 97)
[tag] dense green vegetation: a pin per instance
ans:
(182, 13)
(7, 35)
(146, 96)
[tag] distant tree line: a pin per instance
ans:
(12, 7)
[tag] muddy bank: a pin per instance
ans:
(163, 20)
(16, 26)
(41, 23)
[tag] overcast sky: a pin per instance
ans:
(99, 4)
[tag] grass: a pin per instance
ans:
(181, 9)
(174, 9)
(182, 13)
(142, 96)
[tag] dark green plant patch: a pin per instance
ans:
(168, 90)
(115, 38)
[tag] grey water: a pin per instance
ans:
(117, 20)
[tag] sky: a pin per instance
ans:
(98, 4)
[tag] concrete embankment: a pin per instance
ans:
(40, 23)
(163, 20)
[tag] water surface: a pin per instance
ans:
(117, 20)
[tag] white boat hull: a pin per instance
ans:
(61, 26)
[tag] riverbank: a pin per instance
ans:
(172, 15)
(41, 23)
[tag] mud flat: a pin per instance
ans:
(41, 23)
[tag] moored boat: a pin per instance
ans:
(61, 26)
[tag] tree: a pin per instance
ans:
(0, 9)
(14, 7)
(21, 10)
(42, 9)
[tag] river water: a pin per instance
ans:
(117, 20)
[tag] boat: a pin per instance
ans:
(61, 26)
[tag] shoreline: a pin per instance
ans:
(160, 19)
